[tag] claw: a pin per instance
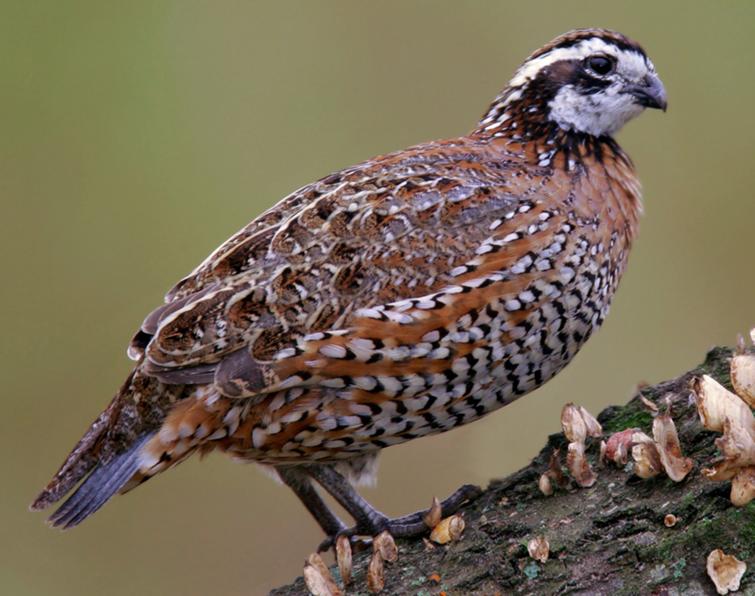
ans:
(358, 541)
(406, 526)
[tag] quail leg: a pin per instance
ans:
(369, 520)
(301, 484)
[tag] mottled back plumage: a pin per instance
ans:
(397, 298)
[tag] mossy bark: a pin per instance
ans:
(606, 539)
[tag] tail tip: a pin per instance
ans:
(104, 481)
(42, 501)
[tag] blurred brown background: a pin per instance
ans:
(137, 136)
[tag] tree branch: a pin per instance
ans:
(606, 539)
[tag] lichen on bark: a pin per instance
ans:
(606, 539)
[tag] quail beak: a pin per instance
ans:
(650, 93)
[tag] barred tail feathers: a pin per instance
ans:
(111, 455)
(105, 481)
(85, 455)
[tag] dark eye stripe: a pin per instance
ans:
(591, 85)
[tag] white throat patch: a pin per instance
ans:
(600, 114)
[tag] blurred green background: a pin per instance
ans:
(137, 136)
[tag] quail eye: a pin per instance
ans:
(600, 65)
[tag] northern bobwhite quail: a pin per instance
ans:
(394, 299)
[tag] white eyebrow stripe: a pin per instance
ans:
(594, 45)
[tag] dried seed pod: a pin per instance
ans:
(554, 473)
(375, 573)
(720, 471)
(594, 429)
(577, 424)
(544, 484)
(386, 546)
(647, 461)
(651, 406)
(737, 445)
(572, 424)
(743, 377)
(619, 445)
(343, 558)
(448, 530)
(433, 515)
(670, 520)
(715, 404)
(318, 579)
(578, 466)
(726, 571)
(667, 441)
(602, 457)
(456, 527)
(538, 548)
(723, 411)
(639, 437)
(315, 582)
(743, 486)
(554, 469)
